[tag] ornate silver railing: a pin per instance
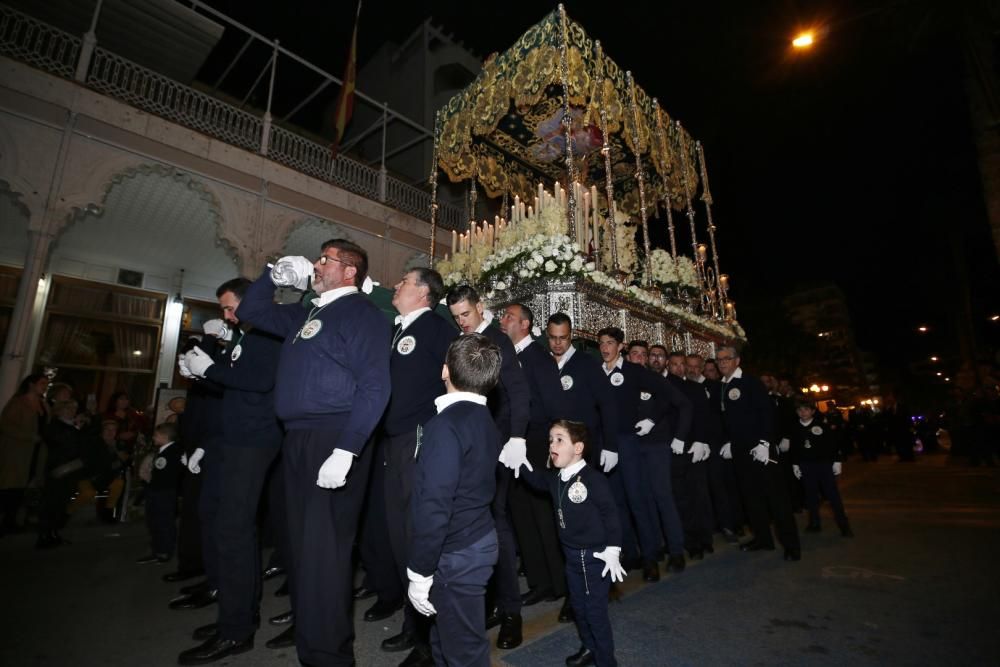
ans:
(38, 44)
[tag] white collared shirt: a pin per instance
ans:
(482, 326)
(332, 295)
(406, 320)
(565, 357)
(523, 343)
(441, 402)
(566, 473)
(164, 447)
(806, 423)
(738, 373)
(617, 366)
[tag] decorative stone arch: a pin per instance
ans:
(13, 174)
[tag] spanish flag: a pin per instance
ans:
(345, 100)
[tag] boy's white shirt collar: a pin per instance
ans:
(406, 320)
(164, 447)
(565, 357)
(571, 470)
(617, 365)
(523, 343)
(441, 402)
(806, 423)
(738, 373)
(332, 295)
(482, 326)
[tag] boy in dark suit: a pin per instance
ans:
(161, 494)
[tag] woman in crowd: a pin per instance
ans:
(20, 427)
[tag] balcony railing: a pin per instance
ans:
(49, 49)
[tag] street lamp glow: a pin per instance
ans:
(934, 359)
(994, 318)
(939, 374)
(803, 40)
(922, 329)
(814, 388)
(825, 387)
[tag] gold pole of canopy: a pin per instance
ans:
(567, 121)
(665, 150)
(640, 178)
(434, 186)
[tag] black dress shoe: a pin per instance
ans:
(284, 640)
(272, 572)
(404, 641)
(534, 596)
(199, 587)
(152, 558)
(675, 563)
(651, 572)
(205, 632)
(510, 631)
(282, 619)
(182, 575)
(754, 545)
(566, 614)
(363, 593)
(195, 600)
(381, 610)
(282, 589)
(420, 656)
(793, 553)
(580, 658)
(493, 617)
(214, 649)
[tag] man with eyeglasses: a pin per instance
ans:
(331, 389)
(749, 418)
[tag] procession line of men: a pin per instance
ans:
(338, 397)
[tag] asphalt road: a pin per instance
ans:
(918, 585)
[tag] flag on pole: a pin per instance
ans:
(345, 100)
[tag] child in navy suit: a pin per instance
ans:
(590, 533)
(453, 543)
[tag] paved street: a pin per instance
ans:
(917, 586)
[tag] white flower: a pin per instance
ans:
(501, 285)
(523, 273)
(550, 266)
(532, 263)
(538, 258)
(576, 264)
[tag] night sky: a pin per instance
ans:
(852, 163)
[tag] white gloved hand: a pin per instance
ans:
(677, 446)
(727, 451)
(194, 460)
(837, 468)
(797, 471)
(699, 452)
(218, 328)
(609, 460)
(184, 460)
(197, 361)
(784, 445)
(419, 592)
(333, 472)
(369, 285)
(183, 367)
(292, 271)
(612, 563)
(643, 427)
(760, 452)
(514, 455)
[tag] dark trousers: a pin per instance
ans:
(693, 502)
(400, 460)
(657, 487)
(723, 492)
(55, 496)
(277, 513)
(161, 515)
(588, 596)
(244, 470)
(765, 498)
(381, 573)
(321, 525)
(189, 535)
(504, 589)
(10, 503)
(208, 507)
(458, 635)
(818, 477)
(534, 522)
(626, 486)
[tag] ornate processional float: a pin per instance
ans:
(577, 157)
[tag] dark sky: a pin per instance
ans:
(853, 163)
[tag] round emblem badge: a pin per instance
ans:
(816, 430)
(734, 394)
(645, 395)
(406, 345)
(311, 328)
(567, 382)
(237, 351)
(160, 463)
(577, 492)
(617, 379)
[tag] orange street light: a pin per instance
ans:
(804, 40)
(923, 329)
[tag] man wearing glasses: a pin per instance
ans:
(749, 415)
(331, 389)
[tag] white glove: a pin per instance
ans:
(609, 460)
(784, 445)
(193, 461)
(333, 472)
(727, 451)
(760, 452)
(419, 592)
(514, 455)
(837, 468)
(699, 452)
(644, 427)
(677, 446)
(369, 285)
(183, 367)
(797, 471)
(612, 563)
(218, 328)
(184, 460)
(292, 271)
(197, 361)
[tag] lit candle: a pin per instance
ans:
(702, 250)
(517, 208)
(454, 241)
(530, 211)
(538, 200)
(724, 281)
